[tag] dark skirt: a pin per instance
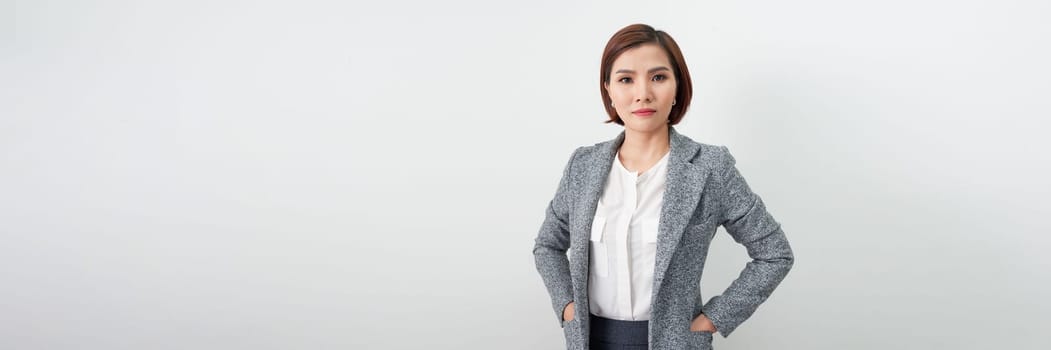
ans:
(609, 334)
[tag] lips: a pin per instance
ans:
(644, 112)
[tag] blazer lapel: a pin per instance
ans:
(681, 197)
(598, 167)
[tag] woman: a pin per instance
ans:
(638, 213)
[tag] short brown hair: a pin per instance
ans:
(634, 36)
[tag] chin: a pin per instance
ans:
(647, 126)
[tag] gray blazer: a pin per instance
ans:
(704, 190)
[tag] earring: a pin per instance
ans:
(611, 104)
(672, 102)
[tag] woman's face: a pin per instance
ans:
(642, 86)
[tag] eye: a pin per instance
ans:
(660, 77)
(622, 80)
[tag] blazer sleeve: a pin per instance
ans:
(745, 218)
(553, 241)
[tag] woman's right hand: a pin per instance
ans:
(567, 312)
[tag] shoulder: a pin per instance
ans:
(715, 158)
(590, 157)
(589, 151)
(712, 157)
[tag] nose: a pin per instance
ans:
(642, 92)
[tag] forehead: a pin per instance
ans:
(642, 57)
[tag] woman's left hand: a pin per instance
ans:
(702, 324)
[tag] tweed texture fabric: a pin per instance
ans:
(704, 190)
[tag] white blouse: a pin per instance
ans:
(624, 242)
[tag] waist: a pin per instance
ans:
(618, 331)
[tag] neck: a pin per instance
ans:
(645, 145)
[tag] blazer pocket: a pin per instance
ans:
(599, 254)
(571, 330)
(699, 340)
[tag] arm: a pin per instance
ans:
(746, 219)
(552, 242)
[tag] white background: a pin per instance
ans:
(323, 175)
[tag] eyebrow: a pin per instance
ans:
(629, 71)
